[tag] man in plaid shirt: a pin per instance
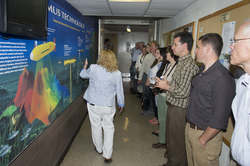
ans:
(177, 97)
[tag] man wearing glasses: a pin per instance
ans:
(240, 55)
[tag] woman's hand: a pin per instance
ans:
(121, 109)
(147, 83)
(85, 63)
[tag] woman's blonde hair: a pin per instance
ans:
(108, 60)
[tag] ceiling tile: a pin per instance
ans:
(160, 13)
(127, 7)
(91, 12)
(168, 6)
(131, 13)
(155, 9)
(90, 5)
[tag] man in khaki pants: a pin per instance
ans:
(211, 94)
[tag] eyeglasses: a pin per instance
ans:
(233, 42)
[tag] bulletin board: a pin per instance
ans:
(238, 12)
(168, 37)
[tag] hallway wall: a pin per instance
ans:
(193, 13)
(51, 146)
(113, 41)
(123, 57)
(152, 31)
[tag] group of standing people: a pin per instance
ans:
(200, 100)
(192, 104)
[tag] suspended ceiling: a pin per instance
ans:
(138, 15)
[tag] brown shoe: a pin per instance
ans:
(166, 155)
(159, 145)
(108, 160)
(97, 151)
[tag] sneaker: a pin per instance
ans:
(152, 112)
(145, 112)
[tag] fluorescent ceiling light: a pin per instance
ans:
(129, 0)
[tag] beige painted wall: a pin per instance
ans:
(113, 40)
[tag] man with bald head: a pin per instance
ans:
(240, 55)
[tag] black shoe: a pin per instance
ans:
(156, 134)
(108, 160)
(159, 145)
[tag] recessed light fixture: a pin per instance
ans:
(129, 0)
(128, 29)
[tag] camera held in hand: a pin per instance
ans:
(152, 85)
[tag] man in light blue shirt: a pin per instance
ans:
(240, 55)
(135, 54)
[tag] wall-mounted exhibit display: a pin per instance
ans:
(40, 79)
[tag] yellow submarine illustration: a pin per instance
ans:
(66, 62)
(69, 62)
(42, 50)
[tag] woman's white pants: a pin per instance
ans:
(102, 117)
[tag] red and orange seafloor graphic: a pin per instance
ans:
(39, 96)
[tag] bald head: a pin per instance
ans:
(246, 28)
(240, 54)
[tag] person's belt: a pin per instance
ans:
(94, 105)
(193, 126)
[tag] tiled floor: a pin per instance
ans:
(132, 141)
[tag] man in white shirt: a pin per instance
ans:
(137, 52)
(134, 55)
(240, 55)
(133, 72)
